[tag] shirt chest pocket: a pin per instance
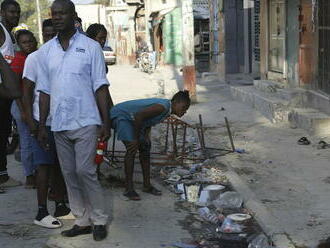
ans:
(78, 65)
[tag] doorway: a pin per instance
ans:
(234, 35)
(324, 46)
(276, 17)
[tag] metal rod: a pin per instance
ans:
(113, 147)
(199, 137)
(174, 139)
(183, 151)
(202, 131)
(166, 137)
(230, 135)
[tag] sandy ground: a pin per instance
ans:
(286, 184)
(150, 223)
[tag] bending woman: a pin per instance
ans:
(132, 121)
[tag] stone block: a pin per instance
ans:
(312, 120)
(267, 86)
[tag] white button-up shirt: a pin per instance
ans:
(30, 72)
(71, 78)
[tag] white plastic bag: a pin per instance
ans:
(261, 241)
(229, 199)
(228, 226)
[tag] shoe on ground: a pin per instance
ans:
(69, 216)
(100, 232)
(2, 190)
(11, 183)
(48, 222)
(77, 230)
(61, 211)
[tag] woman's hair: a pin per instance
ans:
(21, 32)
(182, 96)
(94, 29)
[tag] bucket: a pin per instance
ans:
(210, 193)
(192, 192)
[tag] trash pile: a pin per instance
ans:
(205, 190)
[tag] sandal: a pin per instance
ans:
(152, 190)
(132, 195)
(322, 145)
(303, 141)
(48, 222)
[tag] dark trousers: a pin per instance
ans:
(5, 124)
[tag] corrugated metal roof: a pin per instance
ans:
(201, 3)
(201, 9)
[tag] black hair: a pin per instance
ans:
(94, 29)
(69, 3)
(182, 96)
(21, 32)
(7, 3)
(47, 23)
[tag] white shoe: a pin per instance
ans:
(48, 222)
(11, 183)
(69, 216)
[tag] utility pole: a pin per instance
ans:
(39, 21)
(188, 54)
(147, 14)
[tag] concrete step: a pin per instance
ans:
(296, 96)
(312, 120)
(273, 108)
(267, 86)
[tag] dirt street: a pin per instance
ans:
(284, 184)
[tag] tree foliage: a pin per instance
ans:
(29, 13)
(103, 2)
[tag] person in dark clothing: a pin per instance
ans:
(9, 86)
(99, 33)
(44, 161)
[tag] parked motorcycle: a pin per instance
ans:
(146, 60)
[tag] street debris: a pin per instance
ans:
(183, 245)
(322, 145)
(229, 199)
(261, 241)
(229, 226)
(190, 169)
(303, 141)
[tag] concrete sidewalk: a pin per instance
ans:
(287, 185)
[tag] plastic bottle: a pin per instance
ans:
(100, 148)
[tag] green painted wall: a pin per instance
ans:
(292, 42)
(172, 33)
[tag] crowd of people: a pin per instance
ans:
(62, 107)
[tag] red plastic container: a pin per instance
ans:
(100, 149)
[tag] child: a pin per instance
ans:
(132, 121)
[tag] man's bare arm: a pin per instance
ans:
(44, 103)
(28, 93)
(104, 103)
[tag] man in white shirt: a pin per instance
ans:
(10, 14)
(74, 88)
